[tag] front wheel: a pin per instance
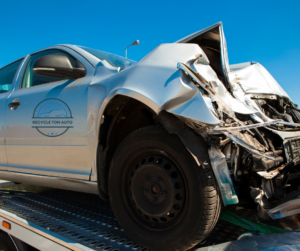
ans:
(160, 196)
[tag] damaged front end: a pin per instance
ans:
(246, 118)
(255, 147)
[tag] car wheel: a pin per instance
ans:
(160, 196)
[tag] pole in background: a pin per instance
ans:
(136, 42)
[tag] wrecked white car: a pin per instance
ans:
(167, 140)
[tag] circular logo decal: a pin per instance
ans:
(52, 117)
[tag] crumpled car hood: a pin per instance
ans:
(251, 77)
(254, 78)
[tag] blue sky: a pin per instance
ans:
(263, 31)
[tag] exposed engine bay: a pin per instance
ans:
(277, 107)
(255, 150)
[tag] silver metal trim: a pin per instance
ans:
(44, 69)
(189, 71)
(56, 182)
(240, 128)
(288, 208)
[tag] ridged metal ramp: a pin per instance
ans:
(87, 220)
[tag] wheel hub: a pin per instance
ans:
(157, 189)
(154, 187)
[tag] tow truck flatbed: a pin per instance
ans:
(53, 219)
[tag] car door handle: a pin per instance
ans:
(14, 105)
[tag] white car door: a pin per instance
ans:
(47, 121)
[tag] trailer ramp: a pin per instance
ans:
(54, 219)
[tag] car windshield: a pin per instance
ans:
(112, 59)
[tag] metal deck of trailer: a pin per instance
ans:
(54, 219)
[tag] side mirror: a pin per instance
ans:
(57, 66)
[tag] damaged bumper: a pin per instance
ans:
(241, 112)
(256, 142)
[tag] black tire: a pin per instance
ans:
(160, 196)
(6, 243)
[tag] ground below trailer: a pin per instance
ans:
(54, 219)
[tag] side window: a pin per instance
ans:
(7, 75)
(31, 79)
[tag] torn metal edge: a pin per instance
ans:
(246, 146)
